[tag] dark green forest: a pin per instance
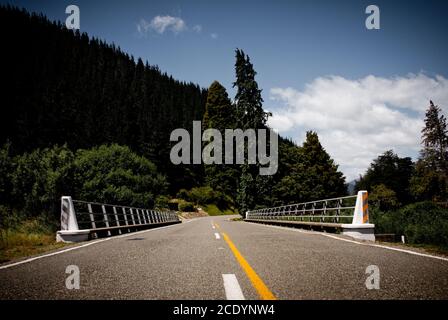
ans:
(64, 87)
(80, 117)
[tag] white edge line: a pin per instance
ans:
(217, 236)
(83, 246)
(356, 242)
(232, 287)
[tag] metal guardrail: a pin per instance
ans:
(81, 220)
(350, 214)
(335, 210)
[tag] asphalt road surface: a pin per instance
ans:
(188, 261)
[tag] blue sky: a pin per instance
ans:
(308, 54)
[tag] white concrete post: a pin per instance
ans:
(361, 214)
(360, 228)
(68, 217)
(69, 225)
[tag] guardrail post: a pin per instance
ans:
(92, 218)
(123, 209)
(138, 216)
(144, 216)
(106, 220)
(132, 216)
(116, 219)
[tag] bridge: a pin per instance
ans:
(135, 253)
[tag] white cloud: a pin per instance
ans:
(197, 28)
(160, 24)
(214, 35)
(359, 119)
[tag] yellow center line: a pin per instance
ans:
(256, 281)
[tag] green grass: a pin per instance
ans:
(213, 210)
(26, 239)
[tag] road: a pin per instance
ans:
(188, 261)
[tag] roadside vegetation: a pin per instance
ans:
(408, 198)
(27, 237)
(31, 185)
(213, 202)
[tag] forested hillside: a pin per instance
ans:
(64, 87)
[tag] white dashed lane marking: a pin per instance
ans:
(232, 287)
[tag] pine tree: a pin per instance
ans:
(220, 114)
(250, 115)
(248, 98)
(390, 171)
(313, 176)
(219, 111)
(435, 139)
(430, 181)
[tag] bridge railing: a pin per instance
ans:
(81, 220)
(336, 210)
(350, 213)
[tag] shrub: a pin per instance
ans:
(203, 195)
(213, 210)
(383, 197)
(162, 202)
(173, 204)
(206, 195)
(114, 174)
(421, 223)
(33, 183)
(6, 167)
(40, 178)
(425, 222)
(183, 194)
(186, 206)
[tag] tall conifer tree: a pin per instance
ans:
(250, 113)
(220, 114)
(430, 181)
